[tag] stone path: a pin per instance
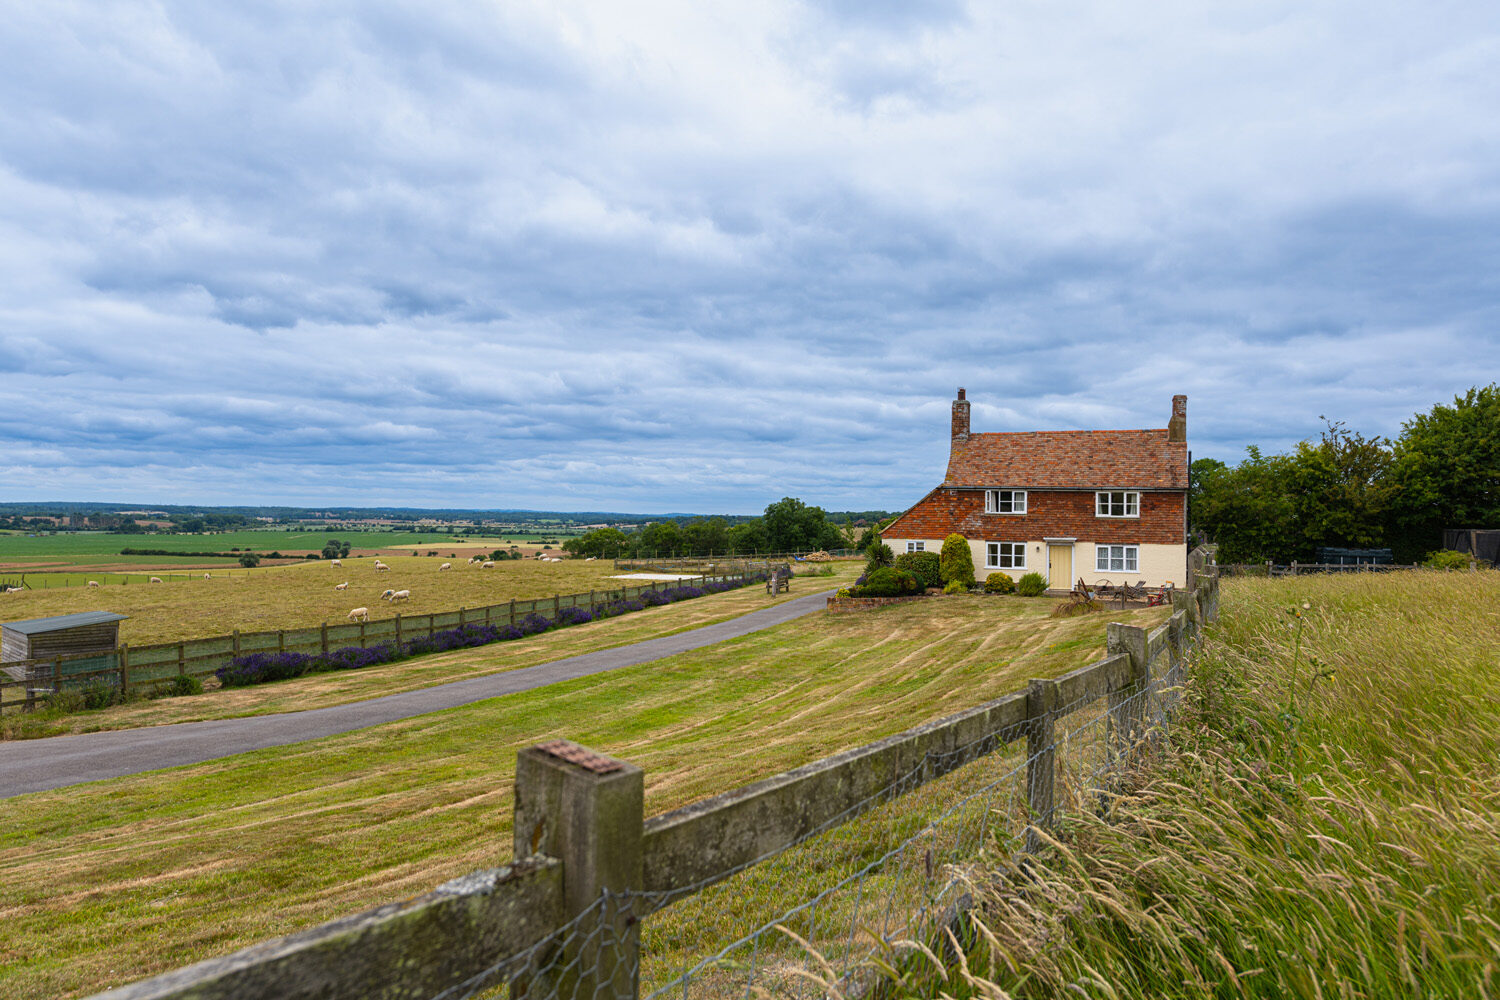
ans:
(54, 762)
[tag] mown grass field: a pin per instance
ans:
(102, 884)
(274, 597)
(1324, 822)
(342, 687)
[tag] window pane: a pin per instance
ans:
(1131, 560)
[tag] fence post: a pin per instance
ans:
(236, 639)
(1041, 757)
(323, 639)
(587, 811)
(591, 604)
(512, 612)
(181, 659)
(124, 669)
(556, 605)
(398, 631)
(1127, 706)
(460, 616)
(281, 640)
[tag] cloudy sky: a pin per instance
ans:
(698, 256)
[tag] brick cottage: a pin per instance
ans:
(1107, 506)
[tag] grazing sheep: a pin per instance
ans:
(487, 564)
(361, 614)
(335, 563)
(380, 566)
(13, 590)
(155, 579)
(341, 586)
(445, 566)
(400, 595)
(386, 596)
(208, 576)
(93, 584)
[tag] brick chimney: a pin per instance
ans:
(961, 418)
(1177, 426)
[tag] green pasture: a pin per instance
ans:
(109, 882)
(92, 546)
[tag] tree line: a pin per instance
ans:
(788, 525)
(1346, 490)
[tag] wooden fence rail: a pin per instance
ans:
(23, 682)
(589, 865)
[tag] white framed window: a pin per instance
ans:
(1005, 555)
(1005, 501)
(916, 546)
(1117, 503)
(1117, 558)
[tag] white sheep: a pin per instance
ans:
(379, 566)
(386, 596)
(13, 590)
(445, 566)
(155, 579)
(400, 595)
(93, 584)
(487, 564)
(208, 576)
(335, 563)
(341, 586)
(360, 614)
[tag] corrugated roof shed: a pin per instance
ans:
(58, 623)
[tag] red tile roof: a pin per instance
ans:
(1141, 460)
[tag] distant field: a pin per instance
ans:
(302, 595)
(102, 548)
(104, 883)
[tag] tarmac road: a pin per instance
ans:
(58, 761)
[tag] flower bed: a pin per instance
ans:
(262, 668)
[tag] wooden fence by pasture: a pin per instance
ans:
(589, 907)
(81, 578)
(140, 668)
(1295, 568)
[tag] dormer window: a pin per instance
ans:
(1117, 503)
(1005, 501)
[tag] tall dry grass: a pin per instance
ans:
(1324, 820)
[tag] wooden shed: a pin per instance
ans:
(60, 635)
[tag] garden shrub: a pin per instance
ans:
(999, 583)
(1031, 585)
(889, 582)
(178, 687)
(957, 560)
(955, 587)
(878, 555)
(925, 566)
(1447, 559)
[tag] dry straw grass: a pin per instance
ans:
(1324, 822)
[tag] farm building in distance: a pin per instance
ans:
(1105, 506)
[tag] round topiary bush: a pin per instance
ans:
(889, 582)
(1031, 585)
(925, 566)
(957, 560)
(999, 583)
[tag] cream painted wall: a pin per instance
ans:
(1159, 564)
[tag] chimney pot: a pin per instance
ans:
(960, 392)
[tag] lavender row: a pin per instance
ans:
(262, 668)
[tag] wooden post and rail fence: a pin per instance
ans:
(24, 682)
(563, 919)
